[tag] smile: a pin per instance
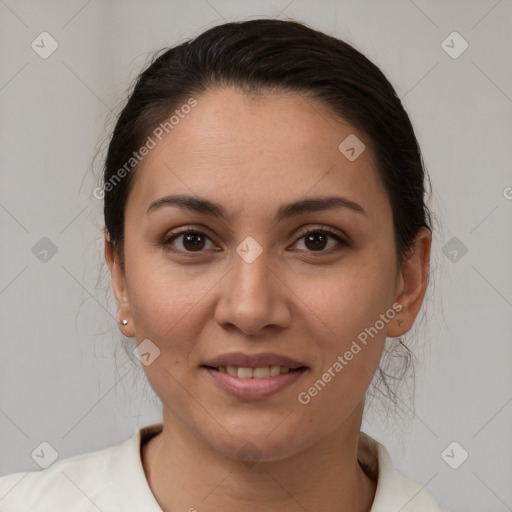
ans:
(263, 372)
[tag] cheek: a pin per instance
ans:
(352, 338)
(354, 306)
(165, 299)
(170, 308)
(349, 300)
(351, 349)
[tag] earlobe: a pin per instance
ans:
(412, 284)
(117, 275)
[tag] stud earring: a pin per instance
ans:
(124, 322)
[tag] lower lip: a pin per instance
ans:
(253, 388)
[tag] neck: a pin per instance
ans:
(185, 473)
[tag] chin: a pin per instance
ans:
(257, 440)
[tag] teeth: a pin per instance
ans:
(254, 373)
(232, 370)
(244, 373)
(275, 370)
(259, 373)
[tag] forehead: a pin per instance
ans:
(268, 148)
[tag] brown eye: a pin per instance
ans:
(318, 240)
(315, 241)
(192, 241)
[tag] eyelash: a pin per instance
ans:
(176, 234)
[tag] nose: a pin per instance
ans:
(253, 296)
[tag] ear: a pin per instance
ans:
(120, 292)
(411, 284)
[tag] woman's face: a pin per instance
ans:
(252, 289)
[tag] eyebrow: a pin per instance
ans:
(205, 206)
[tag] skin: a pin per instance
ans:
(252, 154)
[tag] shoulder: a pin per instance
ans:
(395, 490)
(108, 479)
(67, 483)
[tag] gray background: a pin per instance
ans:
(64, 377)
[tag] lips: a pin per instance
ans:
(253, 377)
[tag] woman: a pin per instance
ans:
(266, 232)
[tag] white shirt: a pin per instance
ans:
(113, 480)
